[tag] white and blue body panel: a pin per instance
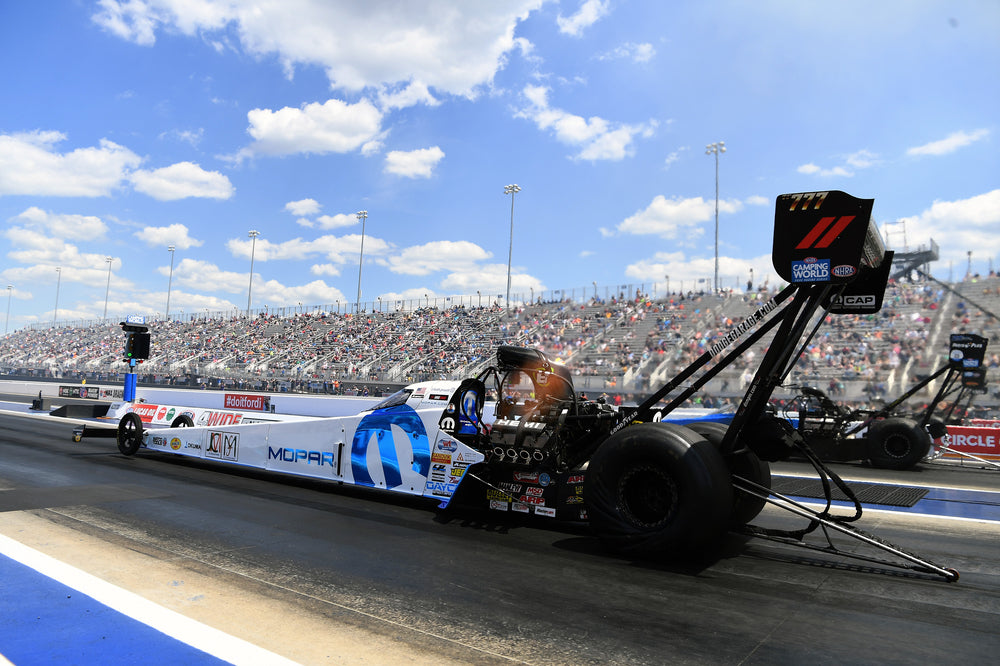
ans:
(399, 447)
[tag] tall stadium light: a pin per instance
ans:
(107, 290)
(716, 149)
(511, 190)
(55, 313)
(252, 234)
(362, 216)
(170, 280)
(668, 285)
(10, 290)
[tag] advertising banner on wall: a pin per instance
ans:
(980, 439)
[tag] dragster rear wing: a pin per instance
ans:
(823, 242)
(824, 237)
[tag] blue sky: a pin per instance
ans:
(128, 126)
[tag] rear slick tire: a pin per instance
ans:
(897, 443)
(658, 488)
(745, 464)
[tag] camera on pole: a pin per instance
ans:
(137, 338)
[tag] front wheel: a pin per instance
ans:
(129, 434)
(182, 421)
(897, 443)
(658, 488)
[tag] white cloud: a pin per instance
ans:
(303, 207)
(862, 159)
(181, 181)
(414, 163)
(685, 273)
(71, 227)
(173, 234)
(815, 170)
(959, 227)
(335, 221)
(636, 52)
(337, 249)
(454, 47)
(587, 15)
(669, 218)
(29, 165)
(413, 94)
(331, 127)
(324, 269)
(949, 144)
(594, 137)
(438, 256)
(491, 280)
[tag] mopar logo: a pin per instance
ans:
(300, 455)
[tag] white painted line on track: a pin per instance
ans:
(196, 634)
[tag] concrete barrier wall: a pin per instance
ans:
(280, 403)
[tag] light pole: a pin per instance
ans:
(716, 149)
(362, 216)
(511, 190)
(107, 290)
(10, 290)
(252, 234)
(55, 313)
(668, 285)
(170, 249)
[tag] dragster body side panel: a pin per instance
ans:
(397, 448)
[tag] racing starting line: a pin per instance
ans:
(54, 612)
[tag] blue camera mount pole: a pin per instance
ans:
(130, 382)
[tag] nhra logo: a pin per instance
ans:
(844, 270)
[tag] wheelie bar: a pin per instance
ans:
(918, 563)
(969, 455)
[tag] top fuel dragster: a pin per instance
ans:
(885, 437)
(645, 486)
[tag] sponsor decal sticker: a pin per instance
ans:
(175, 443)
(223, 446)
(844, 270)
(448, 445)
(444, 458)
(497, 505)
(811, 269)
(253, 402)
(545, 511)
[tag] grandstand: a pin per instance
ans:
(620, 345)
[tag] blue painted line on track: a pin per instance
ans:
(942, 502)
(43, 621)
(51, 612)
